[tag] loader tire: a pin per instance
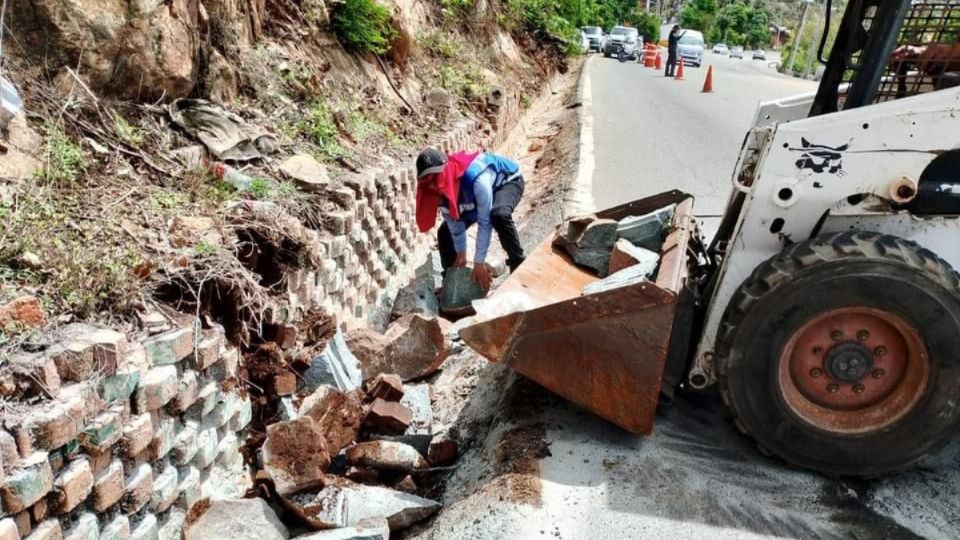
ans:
(841, 354)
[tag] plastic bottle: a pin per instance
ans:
(235, 178)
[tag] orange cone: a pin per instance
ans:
(679, 76)
(658, 64)
(708, 82)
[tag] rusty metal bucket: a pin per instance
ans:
(605, 351)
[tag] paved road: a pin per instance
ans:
(652, 133)
(696, 477)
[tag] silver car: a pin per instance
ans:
(627, 36)
(594, 36)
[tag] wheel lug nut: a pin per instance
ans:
(833, 388)
(880, 351)
(836, 335)
(859, 389)
(878, 373)
(863, 335)
(816, 372)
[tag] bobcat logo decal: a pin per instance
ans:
(820, 158)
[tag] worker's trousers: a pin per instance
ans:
(505, 201)
(671, 63)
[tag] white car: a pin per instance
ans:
(736, 52)
(721, 48)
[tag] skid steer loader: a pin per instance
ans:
(826, 308)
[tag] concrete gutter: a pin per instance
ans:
(578, 195)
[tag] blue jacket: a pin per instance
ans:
(486, 174)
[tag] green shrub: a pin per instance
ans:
(363, 25)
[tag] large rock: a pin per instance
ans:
(306, 171)
(387, 417)
(647, 231)
(413, 346)
(240, 519)
(386, 456)
(295, 455)
(345, 504)
(459, 289)
(337, 415)
(589, 241)
(417, 297)
(624, 278)
(335, 366)
(417, 399)
(143, 50)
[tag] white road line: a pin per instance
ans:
(579, 196)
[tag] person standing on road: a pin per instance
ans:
(468, 188)
(672, 40)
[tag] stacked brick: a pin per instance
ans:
(110, 438)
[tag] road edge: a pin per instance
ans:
(578, 195)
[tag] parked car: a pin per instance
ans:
(721, 48)
(594, 35)
(759, 55)
(736, 52)
(690, 48)
(627, 36)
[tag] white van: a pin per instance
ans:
(690, 47)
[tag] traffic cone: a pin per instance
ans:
(658, 64)
(708, 82)
(679, 76)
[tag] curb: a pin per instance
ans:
(578, 195)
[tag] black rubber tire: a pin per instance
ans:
(827, 272)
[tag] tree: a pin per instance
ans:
(739, 23)
(646, 23)
(699, 14)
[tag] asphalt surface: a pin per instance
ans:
(652, 133)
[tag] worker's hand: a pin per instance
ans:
(481, 274)
(461, 259)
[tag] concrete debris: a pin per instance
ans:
(309, 173)
(459, 289)
(386, 386)
(624, 278)
(363, 475)
(366, 529)
(336, 366)
(238, 519)
(286, 409)
(418, 297)
(337, 415)
(503, 304)
(626, 254)
(386, 456)
(443, 452)
(417, 400)
(588, 240)
(431, 268)
(295, 455)
(647, 231)
(387, 417)
(22, 313)
(406, 485)
(413, 347)
(419, 441)
(346, 504)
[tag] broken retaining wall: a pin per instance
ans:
(111, 435)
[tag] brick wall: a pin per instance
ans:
(114, 435)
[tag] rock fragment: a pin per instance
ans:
(459, 289)
(646, 231)
(386, 456)
(346, 504)
(418, 297)
(236, 519)
(413, 347)
(335, 366)
(386, 386)
(387, 417)
(295, 455)
(625, 254)
(337, 415)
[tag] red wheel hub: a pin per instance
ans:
(853, 370)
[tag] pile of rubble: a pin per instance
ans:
(621, 252)
(348, 446)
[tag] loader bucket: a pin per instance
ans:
(606, 351)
